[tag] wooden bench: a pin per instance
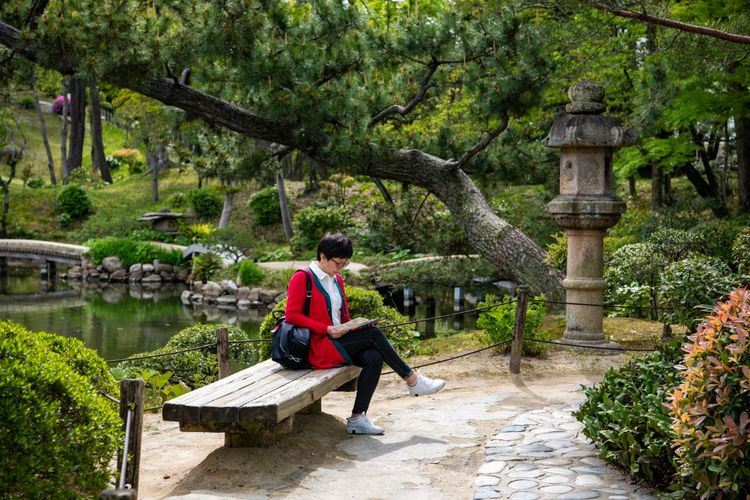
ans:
(254, 405)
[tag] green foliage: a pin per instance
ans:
(158, 386)
(131, 252)
(132, 158)
(35, 183)
(626, 415)
(693, 282)
(74, 201)
(264, 206)
(312, 223)
(418, 223)
(711, 406)
(177, 201)
(633, 275)
(58, 435)
(362, 303)
(26, 102)
(497, 323)
(557, 252)
(717, 236)
(250, 273)
(741, 252)
(205, 202)
(151, 235)
(205, 266)
(193, 368)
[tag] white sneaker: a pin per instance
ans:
(425, 386)
(362, 425)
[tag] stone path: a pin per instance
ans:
(543, 454)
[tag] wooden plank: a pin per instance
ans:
(186, 406)
(227, 408)
(287, 400)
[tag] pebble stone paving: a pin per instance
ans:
(543, 454)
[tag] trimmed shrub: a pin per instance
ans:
(35, 183)
(205, 266)
(264, 206)
(58, 435)
(132, 158)
(195, 368)
(633, 276)
(131, 252)
(497, 323)
(74, 201)
(711, 407)
(26, 102)
(205, 202)
(557, 252)
(716, 237)
(177, 201)
(693, 282)
(313, 223)
(250, 273)
(365, 303)
(626, 415)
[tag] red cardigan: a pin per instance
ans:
(325, 351)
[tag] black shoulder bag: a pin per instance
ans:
(292, 343)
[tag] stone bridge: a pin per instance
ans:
(48, 252)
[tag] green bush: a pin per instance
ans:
(364, 303)
(626, 415)
(35, 183)
(205, 267)
(131, 252)
(205, 202)
(693, 282)
(177, 201)
(716, 237)
(497, 323)
(133, 158)
(449, 272)
(250, 273)
(633, 275)
(74, 201)
(313, 223)
(195, 368)
(557, 252)
(741, 252)
(711, 407)
(58, 435)
(264, 206)
(26, 102)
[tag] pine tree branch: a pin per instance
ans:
(424, 85)
(671, 23)
(481, 145)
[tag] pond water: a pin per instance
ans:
(123, 319)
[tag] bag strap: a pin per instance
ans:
(308, 294)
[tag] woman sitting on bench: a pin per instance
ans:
(332, 346)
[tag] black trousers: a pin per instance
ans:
(369, 348)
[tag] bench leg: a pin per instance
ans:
(258, 434)
(312, 409)
(350, 386)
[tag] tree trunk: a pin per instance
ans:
(77, 122)
(64, 133)
(152, 162)
(657, 200)
(383, 191)
(43, 127)
(98, 161)
(6, 199)
(742, 134)
(631, 186)
(226, 211)
(286, 217)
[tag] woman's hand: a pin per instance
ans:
(335, 332)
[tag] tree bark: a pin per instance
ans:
(499, 242)
(226, 210)
(43, 128)
(77, 122)
(98, 161)
(286, 217)
(64, 132)
(657, 200)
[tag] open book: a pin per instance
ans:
(356, 323)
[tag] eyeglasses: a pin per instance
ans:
(340, 265)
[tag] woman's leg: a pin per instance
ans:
(371, 361)
(360, 340)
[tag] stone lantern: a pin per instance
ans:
(587, 205)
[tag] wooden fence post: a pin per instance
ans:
(222, 351)
(131, 396)
(516, 347)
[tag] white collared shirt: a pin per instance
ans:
(331, 287)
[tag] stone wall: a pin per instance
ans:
(111, 269)
(228, 294)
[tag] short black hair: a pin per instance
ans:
(334, 245)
